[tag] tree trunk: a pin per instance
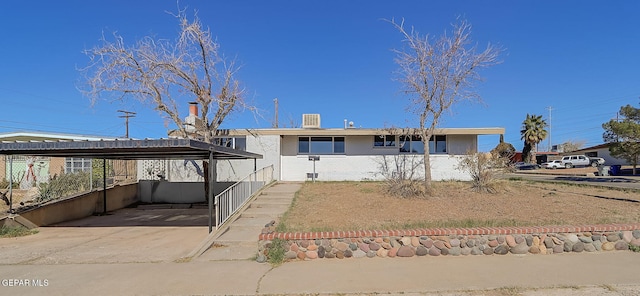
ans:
(427, 163)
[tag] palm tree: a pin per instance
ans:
(533, 132)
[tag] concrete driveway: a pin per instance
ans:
(151, 234)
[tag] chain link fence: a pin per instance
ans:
(27, 181)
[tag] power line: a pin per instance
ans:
(126, 116)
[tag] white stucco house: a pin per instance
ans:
(601, 150)
(347, 154)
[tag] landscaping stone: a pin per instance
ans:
(371, 254)
(312, 247)
(330, 255)
(386, 245)
(290, 255)
(294, 247)
(415, 241)
(406, 251)
(621, 245)
(321, 251)
(421, 251)
(585, 239)
(444, 251)
(382, 253)
(405, 241)
(511, 241)
(341, 246)
(439, 244)
(476, 251)
(364, 247)
(493, 243)
(608, 246)
(627, 236)
(596, 237)
(428, 243)
(465, 251)
(613, 237)
(261, 258)
(500, 239)
(488, 251)
(521, 248)
(359, 253)
(433, 251)
(304, 244)
(635, 242)
(529, 240)
(568, 246)
(373, 246)
(311, 254)
(455, 251)
(471, 243)
(597, 244)
(519, 239)
(578, 247)
(557, 249)
(393, 252)
(353, 246)
(589, 247)
(572, 237)
(636, 233)
(548, 242)
(301, 255)
(348, 253)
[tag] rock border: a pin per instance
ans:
(452, 241)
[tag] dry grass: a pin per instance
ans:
(331, 206)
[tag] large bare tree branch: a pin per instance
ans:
(437, 73)
(168, 74)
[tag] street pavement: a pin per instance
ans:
(158, 263)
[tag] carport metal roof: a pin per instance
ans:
(125, 149)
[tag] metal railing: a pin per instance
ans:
(233, 198)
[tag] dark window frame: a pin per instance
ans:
(338, 145)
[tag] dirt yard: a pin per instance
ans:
(332, 206)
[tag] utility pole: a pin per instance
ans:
(275, 101)
(126, 116)
(549, 140)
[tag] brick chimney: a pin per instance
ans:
(192, 122)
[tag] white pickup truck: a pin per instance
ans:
(570, 161)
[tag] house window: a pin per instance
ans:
(321, 145)
(74, 165)
(239, 143)
(413, 144)
(384, 141)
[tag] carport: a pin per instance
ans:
(129, 149)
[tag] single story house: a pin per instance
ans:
(601, 150)
(347, 154)
(36, 169)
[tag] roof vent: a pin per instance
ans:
(310, 120)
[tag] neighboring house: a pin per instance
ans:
(36, 169)
(601, 150)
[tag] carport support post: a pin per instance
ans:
(10, 184)
(210, 193)
(104, 186)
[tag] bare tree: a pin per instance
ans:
(570, 146)
(438, 73)
(168, 74)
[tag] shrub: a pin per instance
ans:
(483, 168)
(63, 185)
(276, 251)
(15, 231)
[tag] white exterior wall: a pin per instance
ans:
(362, 160)
(268, 146)
(606, 155)
(360, 167)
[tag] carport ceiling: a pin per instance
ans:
(125, 149)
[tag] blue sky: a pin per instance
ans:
(333, 58)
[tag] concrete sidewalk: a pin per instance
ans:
(611, 273)
(239, 241)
